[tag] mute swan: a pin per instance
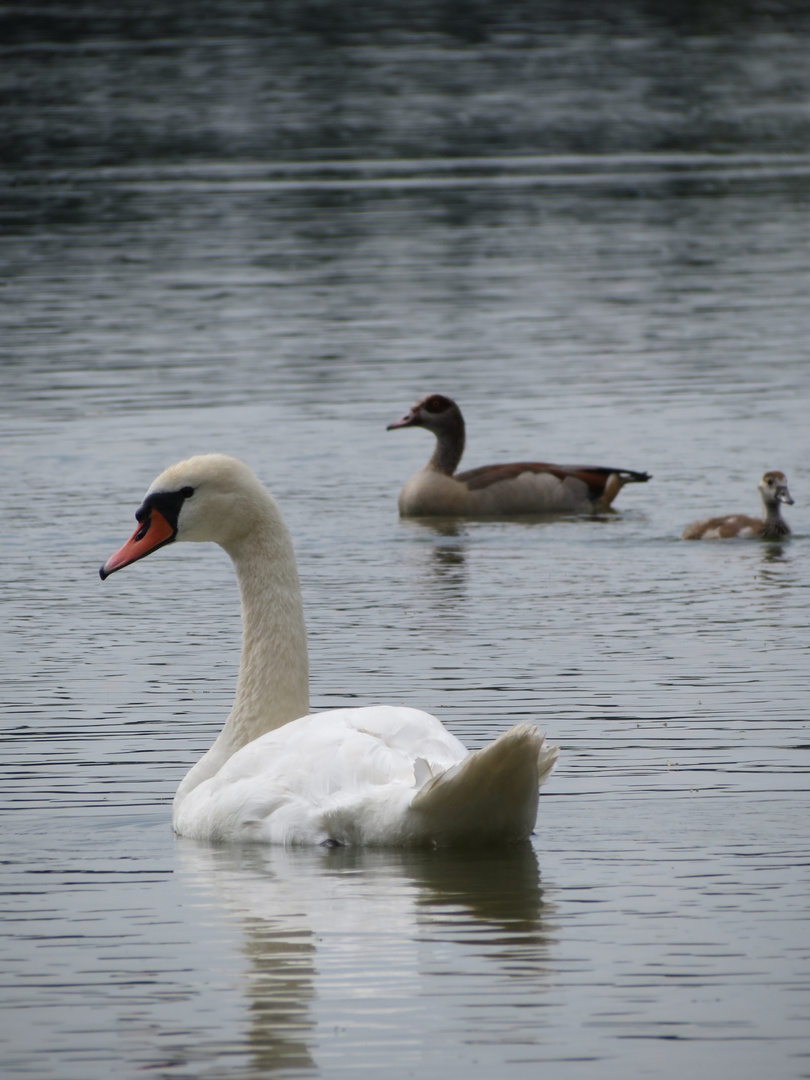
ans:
(524, 487)
(774, 491)
(376, 775)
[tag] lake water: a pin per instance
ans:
(267, 231)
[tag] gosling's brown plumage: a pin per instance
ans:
(774, 491)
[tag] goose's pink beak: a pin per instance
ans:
(411, 417)
(152, 533)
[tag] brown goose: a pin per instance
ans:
(774, 491)
(525, 487)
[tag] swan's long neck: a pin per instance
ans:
(272, 687)
(449, 445)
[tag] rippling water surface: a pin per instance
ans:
(269, 236)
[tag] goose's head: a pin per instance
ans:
(774, 490)
(435, 412)
(208, 497)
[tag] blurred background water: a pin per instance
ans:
(266, 229)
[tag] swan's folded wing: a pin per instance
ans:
(491, 796)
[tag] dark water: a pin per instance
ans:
(266, 230)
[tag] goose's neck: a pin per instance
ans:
(449, 446)
(775, 524)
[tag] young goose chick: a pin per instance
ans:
(525, 487)
(774, 490)
(384, 774)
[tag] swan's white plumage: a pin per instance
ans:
(376, 775)
(315, 778)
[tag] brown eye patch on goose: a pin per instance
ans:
(436, 403)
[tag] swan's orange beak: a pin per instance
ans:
(152, 533)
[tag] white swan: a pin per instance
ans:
(773, 491)
(377, 775)
(519, 487)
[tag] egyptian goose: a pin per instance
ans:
(381, 775)
(774, 491)
(525, 487)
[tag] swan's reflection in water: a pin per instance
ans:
(354, 953)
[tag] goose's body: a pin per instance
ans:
(523, 487)
(376, 775)
(773, 490)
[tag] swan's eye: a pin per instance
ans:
(187, 492)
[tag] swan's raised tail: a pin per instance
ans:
(491, 796)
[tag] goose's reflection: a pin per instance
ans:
(445, 527)
(447, 572)
(773, 553)
(444, 570)
(371, 924)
